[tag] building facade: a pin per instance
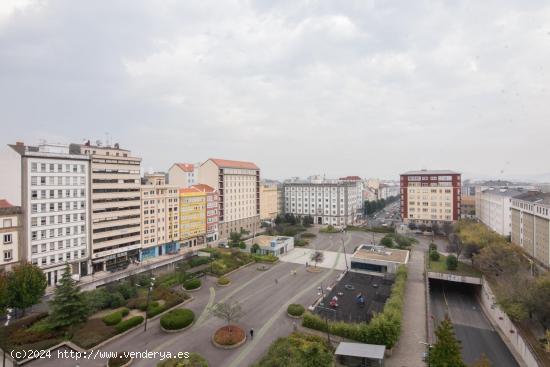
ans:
(495, 208)
(192, 219)
(183, 175)
(115, 206)
(531, 225)
(430, 196)
(238, 185)
(269, 204)
(212, 217)
(160, 231)
(332, 202)
(10, 234)
(54, 197)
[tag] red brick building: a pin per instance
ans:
(430, 196)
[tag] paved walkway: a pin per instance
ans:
(408, 352)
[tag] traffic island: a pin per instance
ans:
(177, 320)
(314, 269)
(229, 337)
(121, 360)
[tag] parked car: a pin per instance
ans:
(223, 245)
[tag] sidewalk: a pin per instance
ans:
(408, 352)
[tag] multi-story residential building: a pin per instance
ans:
(10, 233)
(51, 183)
(212, 217)
(269, 205)
(192, 215)
(115, 206)
(160, 231)
(327, 201)
(369, 194)
(531, 225)
(183, 174)
(494, 208)
(386, 191)
(430, 196)
(238, 184)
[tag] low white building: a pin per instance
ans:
(272, 245)
(378, 259)
(493, 208)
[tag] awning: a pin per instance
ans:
(371, 351)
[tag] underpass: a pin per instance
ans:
(460, 302)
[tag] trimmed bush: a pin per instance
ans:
(452, 262)
(434, 255)
(298, 242)
(295, 309)
(194, 360)
(191, 284)
(120, 360)
(177, 319)
(223, 280)
(308, 235)
(128, 324)
(198, 260)
(433, 247)
(265, 258)
(115, 317)
(116, 300)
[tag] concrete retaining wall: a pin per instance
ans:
(454, 278)
(506, 328)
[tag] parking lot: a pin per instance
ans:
(374, 290)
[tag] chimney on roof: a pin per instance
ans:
(19, 144)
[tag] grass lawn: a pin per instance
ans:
(440, 266)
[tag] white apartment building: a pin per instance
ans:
(494, 211)
(10, 229)
(159, 217)
(54, 194)
(238, 185)
(333, 202)
(115, 206)
(184, 175)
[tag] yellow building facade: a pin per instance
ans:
(192, 212)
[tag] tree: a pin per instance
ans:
(446, 351)
(386, 241)
(278, 219)
(235, 238)
(422, 227)
(307, 221)
(26, 286)
(181, 270)
(452, 262)
(67, 306)
(317, 256)
(539, 299)
(255, 248)
(3, 293)
(447, 228)
(483, 361)
(499, 260)
(230, 311)
(435, 228)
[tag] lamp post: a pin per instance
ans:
(429, 347)
(345, 255)
(149, 290)
(326, 318)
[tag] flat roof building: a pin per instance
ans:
(379, 259)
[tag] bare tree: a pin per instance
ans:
(230, 311)
(447, 228)
(455, 244)
(317, 256)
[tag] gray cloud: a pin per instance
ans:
(300, 87)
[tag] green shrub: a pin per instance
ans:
(115, 317)
(126, 290)
(266, 258)
(198, 260)
(387, 241)
(191, 284)
(97, 300)
(177, 319)
(194, 360)
(434, 255)
(128, 324)
(308, 235)
(116, 300)
(223, 280)
(298, 350)
(295, 309)
(433, 247)
(452, 262)
(298, 242)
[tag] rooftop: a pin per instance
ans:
(504, 191)
(5, 204)
(186, 167)
(6, 208)
(225, 163)
(191, 190)
(204, 188)
(371, 351)
(534, 197)
(431, 172)
(374, 252)
(265, 241)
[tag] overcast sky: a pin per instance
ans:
(369, 88)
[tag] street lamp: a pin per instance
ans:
(326, 317)
(149, 290)
(429, 347)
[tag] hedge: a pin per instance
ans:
(265, 258)
(223, 280)
(120, 360)
(128, 324)
(177, 319)
(115, 317)
(295, 310)
(193, 283)
(383, 329)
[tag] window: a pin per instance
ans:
(7, 238)
(8, 255)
